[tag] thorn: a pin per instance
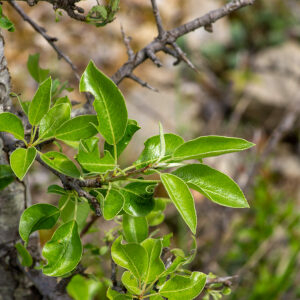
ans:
(142, 82)
(154, 58)
(182, 56)
(126, 40)
(209, 28)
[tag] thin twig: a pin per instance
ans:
(51, 40)
(169, 37)
(88, 225)
(158, 20)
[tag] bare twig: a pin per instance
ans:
(158, 20)
(169, 37)
(88, 225)
(69, 6)
(49, 39)
(126, 40)
(142, 82)
(227, 281)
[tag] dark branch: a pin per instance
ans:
(69, 6)
(49, 39)
(166, 38)
(158, 20)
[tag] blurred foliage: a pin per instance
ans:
(265, 246)
(268, 23)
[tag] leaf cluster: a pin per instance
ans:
(125, 194)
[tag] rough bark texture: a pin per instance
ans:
(11, 201)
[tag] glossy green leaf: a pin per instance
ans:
(40, 103)
(155, 265)
(132, 257)
(5, 22)
(206, 146)
(81, 127)
(213, 184)
(63, 252)
(56, 189)
(21, 160)
(183, 287)
(162, 143)
(111, 204)
(81, 288)
(54, 118)
(68, 203)
(63, 100)
(37, 73)
(24, 256)
(61, 163)
(131, 283)
(131, 129)
(152, 150)
(36, 217)
(109, 103)
(12, 124)
(89, 157)
(7, 176)
(135, 228)
(182, 198)
(155, 218)
(138, 198)
(114, 295)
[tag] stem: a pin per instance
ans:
(75, 211)
(65, 204)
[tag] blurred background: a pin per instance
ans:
(247, 86)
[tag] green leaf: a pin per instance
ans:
(152, 150)
(89, 157)
(182, 198)
(12, 124)
(61, 163)
(112, 204)
(7, 176)
(81, 127)
(54, 118)
(156, 216)
(63, 252)
(21, 160)
(138, 198)
(114, 295)
(183, 287)
(131, 129)
(131, 283)
(56, 189)
(68, 203)
(206, 146)
(81, 288)
(63, 100)
(5, 22)
(132, 257)
(36, 217)
(162, 143)
(37, 73)
(109, 103)
(24, 104)
(25, 257)
(135, 228)
(40, 103)
(213, 184)
(155, 265)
